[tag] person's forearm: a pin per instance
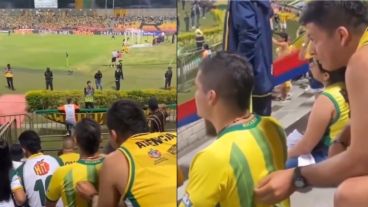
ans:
(341, 143)
(298, 150)
(95, 201)
(335, 149)
(333, 171)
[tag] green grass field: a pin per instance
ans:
(29, 55)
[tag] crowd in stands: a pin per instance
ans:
(72, 19)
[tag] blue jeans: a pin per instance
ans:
(318, 155)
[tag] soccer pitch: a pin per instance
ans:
(29, 55)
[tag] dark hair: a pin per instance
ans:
(152, 104)
(230, 75)
(69, 100)
(332, 14)
(284, 36)
(126, 118)
(206, 47)
(88, 82)
(6, 166)
(88, 135)
(16, 152)
(30, 141)
(335, 77)
(8, 65)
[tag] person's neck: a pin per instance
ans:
(28, 154)
(67, 151)
(224, 119)
(84, 156)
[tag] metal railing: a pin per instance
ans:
(23, 121)
(188, 65)
(49, 124)
(8, 131)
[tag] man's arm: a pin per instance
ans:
(204, 186)
(341, 143)
(321, 115)
(350, 163)
(113, 179)
(354, 161)
(18, 190)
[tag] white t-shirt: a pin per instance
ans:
(8, 203)
(35, 175)
(69, 113)
(115, 54)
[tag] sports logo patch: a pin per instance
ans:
(154, 153)
(41, 167)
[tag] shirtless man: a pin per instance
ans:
(338, 32)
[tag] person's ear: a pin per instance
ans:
(212, 97)
(344, 35)
(114, 139)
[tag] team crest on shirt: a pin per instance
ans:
(154, 153)
(41, 167)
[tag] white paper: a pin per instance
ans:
(293, 138)
(304, 160)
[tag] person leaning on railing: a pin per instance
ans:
(70, 120)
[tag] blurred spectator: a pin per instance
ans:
(68, 155)
(8, 73)
(157, 117)
(98, 80)
(89, 92)
(16, 154)
(70, 120)
(199, 39)
(168, 76)
(48, 78)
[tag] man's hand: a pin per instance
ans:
(276, 187)
(86, 190)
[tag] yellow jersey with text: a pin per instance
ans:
(69, 158)
(152, 169)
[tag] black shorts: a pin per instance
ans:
(113, 59)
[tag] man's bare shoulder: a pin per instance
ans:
(359, 60)
(115, 157)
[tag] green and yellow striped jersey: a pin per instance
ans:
(227, 171)
(64, 181)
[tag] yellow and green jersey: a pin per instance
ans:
(64, 180)
(152, 169)
(335, 94)
(364, 39)
(227, 171)
(69, 158)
